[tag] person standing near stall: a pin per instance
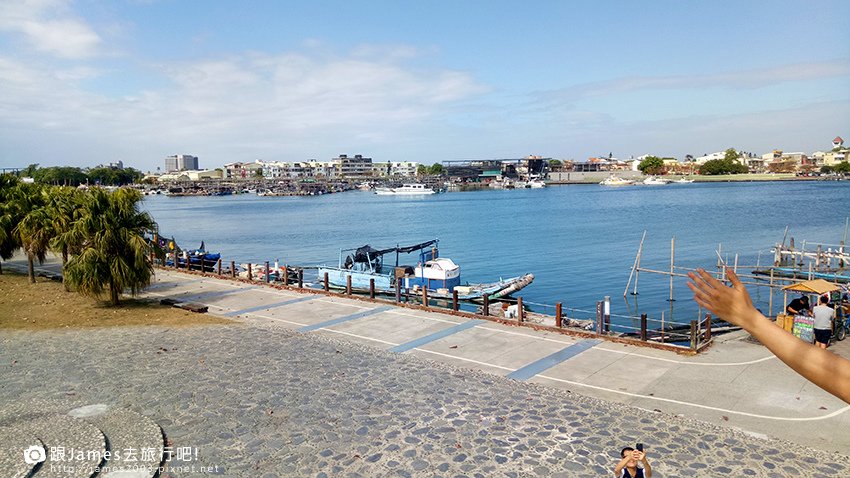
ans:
(824, 316)
(798, 306)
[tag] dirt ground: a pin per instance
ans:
(46, 305)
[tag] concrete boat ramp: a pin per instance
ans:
(735, 384)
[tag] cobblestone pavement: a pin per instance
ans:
(263, 401)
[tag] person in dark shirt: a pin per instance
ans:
(798, 306)
(628, 466)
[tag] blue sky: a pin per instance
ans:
(88, 82)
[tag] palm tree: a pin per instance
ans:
(33, 231)
(113, 252)
(8, 242)
(64, 205)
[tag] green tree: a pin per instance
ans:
(731, 155)
(113, 254)
(8, 218)
(554, 163)
(64, 206)
(33, 232)
(842, 167)
(651, 165)
(421, 170)
(29, 171)
(60, 175)
(436, 169)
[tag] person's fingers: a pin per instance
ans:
(733, 278)
(699, 282)
(709, 279)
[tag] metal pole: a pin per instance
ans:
(268, 275)
(486, 305)
(285, 275)
(300, 278)
(348, 284)
(707, 327)
(672, 258)
(770, 299)
(327, 284)
(454, 300)
(635, 266)
(599, 315)
(371, 288)
(424, 296)
(397, 291)
(643, 327)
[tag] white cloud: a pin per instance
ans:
(288, 106)
(49, 27)
(745, 79)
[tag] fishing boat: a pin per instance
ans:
(197, 258)
(439, 275)
(655, 181)
(683, 180)
(406, 189)
(614, 180)
(536, 183)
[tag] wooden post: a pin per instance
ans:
(606, 311)
(250, 274)
(371, 288)
(327, 284)
(188, 262)
(558, 317)
(454, 300)
(203, 269)
(425, 296)
(707, 327)
(176, 264)
(218, 267)
(643, 327)
(770, 297)
(348, 284)
(286, 275)
(397, 290)
(300, 278)
(268, 275)
(599, 315)
(693, 335)
(519, 309)
(233, 269)
(486, 305)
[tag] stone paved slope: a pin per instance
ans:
(261, 402)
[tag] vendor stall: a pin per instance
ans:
(801, 325)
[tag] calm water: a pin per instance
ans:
(579, 241)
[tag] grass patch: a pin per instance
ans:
(46, 305)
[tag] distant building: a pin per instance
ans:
(837, 142)
(358, 166)
(395, 169)
(116, 165)
(181, 162)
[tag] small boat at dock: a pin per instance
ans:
(439, 275)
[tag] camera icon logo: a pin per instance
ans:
(34, 454)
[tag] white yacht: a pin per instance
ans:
(406, 189)
(655, 181)
(614, 180)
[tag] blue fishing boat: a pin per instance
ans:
(439, 275)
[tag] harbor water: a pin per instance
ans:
(579, 241)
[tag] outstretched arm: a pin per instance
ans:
(733, 304)
(618, 470)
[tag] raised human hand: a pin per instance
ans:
(732, 304)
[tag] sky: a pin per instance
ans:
(89, 82)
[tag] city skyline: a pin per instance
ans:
(87, 83)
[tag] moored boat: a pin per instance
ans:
(406, 189)
(614, 180)
(655, 181)
(440, 276)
